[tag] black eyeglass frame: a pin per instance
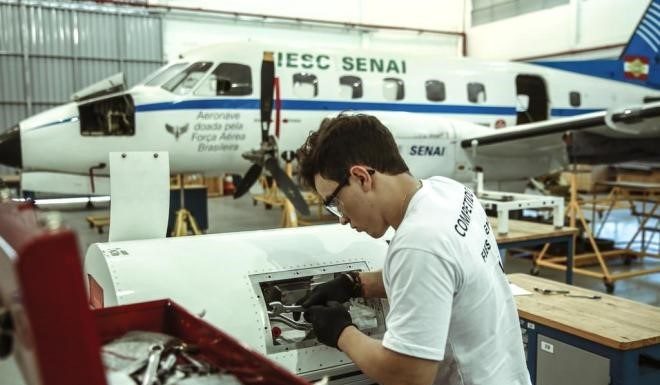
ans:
(327, 202)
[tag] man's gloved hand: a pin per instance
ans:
(340, 289)
(328, 322)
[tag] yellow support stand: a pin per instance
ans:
(185, 221)
(289, 214)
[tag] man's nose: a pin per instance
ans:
(344, 221)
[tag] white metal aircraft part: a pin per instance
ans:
(230, 277)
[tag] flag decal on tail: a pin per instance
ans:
(636, 67)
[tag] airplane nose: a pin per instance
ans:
(10, 148)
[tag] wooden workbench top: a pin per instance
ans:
(611, 321)
(525, 231)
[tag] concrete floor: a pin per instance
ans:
(227, 214)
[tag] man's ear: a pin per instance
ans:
(361, 173)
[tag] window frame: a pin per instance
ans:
(212, 73)
(575, 99)
(439, 82)
(305, 75)
(350, 81)
(400, 91)
(188, 71)
(470, 93)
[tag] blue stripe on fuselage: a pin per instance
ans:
(66, 120)
(326, 105)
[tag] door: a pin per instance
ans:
(531, 99)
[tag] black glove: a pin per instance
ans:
(328, 322)
(340, 289)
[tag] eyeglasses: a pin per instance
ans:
(331, 203)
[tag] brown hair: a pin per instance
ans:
(345, 141)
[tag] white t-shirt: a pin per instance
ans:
(449, 298)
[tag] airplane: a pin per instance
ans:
(444, 112)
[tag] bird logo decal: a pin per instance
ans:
(176, 131)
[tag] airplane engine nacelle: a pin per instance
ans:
(229, 279)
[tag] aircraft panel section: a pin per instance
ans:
(232, 279)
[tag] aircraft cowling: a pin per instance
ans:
(589, 148)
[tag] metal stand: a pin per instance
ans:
(504, 202)
(184, 219)
(574, 212)
(289, 215)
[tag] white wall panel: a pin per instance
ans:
(183, 33)
(423, 14)
(578, 25)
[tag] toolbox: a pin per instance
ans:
(54, 335)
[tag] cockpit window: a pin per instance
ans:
(186, 80)
(164, 73)
(228, 79)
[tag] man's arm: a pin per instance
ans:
(372, 284)
(383, 365)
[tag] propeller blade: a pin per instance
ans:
(266, 101)
(248, 180)
(286, 185)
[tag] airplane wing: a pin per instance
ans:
(600, 137)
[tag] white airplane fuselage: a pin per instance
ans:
(206, 132)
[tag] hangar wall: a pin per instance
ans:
(419, 14)
(184, 29)
(184, 32)
(578, 25)
(50, 50)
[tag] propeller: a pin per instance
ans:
(267, 155)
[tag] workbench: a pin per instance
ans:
(581, 340)
(525, 234)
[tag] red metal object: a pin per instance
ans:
(41, 282)
(276, 331)
(57, 338)
(165, 316)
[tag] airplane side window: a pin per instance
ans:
(476, 92)
(435, 90)
(393, 89)
(305, 85)
(165, 74)
(575, 99)
(228, 79)
(350, 87)
(187, 79)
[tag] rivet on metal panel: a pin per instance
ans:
(155, 155)
(123, 155)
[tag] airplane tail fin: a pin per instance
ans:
(641, 56)
(639, 62)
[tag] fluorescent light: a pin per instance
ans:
(64, 201)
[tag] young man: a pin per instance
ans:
(452, 318)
